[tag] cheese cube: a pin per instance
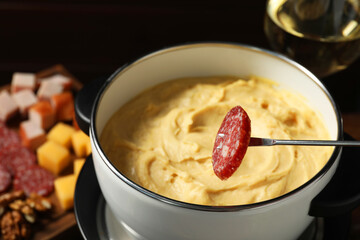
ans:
(42, 114)
(21, 81)
(81, 143)
(48, 88)
(24, 99)
(60, 79)
(53, 157)
(32, 135)
(88, 148)
(65, 190)
(8, 107)
(63, 103)
(61, 133)
(78, 164)
(74, 122)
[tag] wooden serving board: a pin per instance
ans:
(59, 220)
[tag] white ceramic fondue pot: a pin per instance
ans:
(156, 217)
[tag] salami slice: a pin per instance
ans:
(5, 178)
(34, 179)
(231, 142)
(8, 137)
(16, 158)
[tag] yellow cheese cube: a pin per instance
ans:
(78, 164)
(65, 190)
(88, 148)
(81, 144)
(61, 133)
(53, 157)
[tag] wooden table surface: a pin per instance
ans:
(92, 38)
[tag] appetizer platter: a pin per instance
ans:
(42, 151)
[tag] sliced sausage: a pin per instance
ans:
(34, 179)
(231, 143)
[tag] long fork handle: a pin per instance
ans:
(271, 142)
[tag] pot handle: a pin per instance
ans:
(342, 194)
(84, 102)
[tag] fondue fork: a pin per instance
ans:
(270, 142)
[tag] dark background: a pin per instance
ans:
(93, 38)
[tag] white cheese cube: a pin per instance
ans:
(24, 99)
(49, 88)
(21, 81)
(8, 107)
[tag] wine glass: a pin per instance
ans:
(322, 35)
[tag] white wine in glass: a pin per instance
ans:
(322, 35)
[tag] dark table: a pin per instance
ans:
(92, 38)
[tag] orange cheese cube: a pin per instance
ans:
(80, 143)
(78, 164)
(65, 190)
(32, 136)
(61, 133)
(74, 122)
(42, 114)
(63, 104)
(53, 157)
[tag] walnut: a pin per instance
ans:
(17, 213)
(2, 210)
(7, 198)
(25, 209)
(14, 226)
(39, 203)
(17, 204)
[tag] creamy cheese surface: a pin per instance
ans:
(164, 137)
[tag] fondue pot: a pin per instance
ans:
(152, 216)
